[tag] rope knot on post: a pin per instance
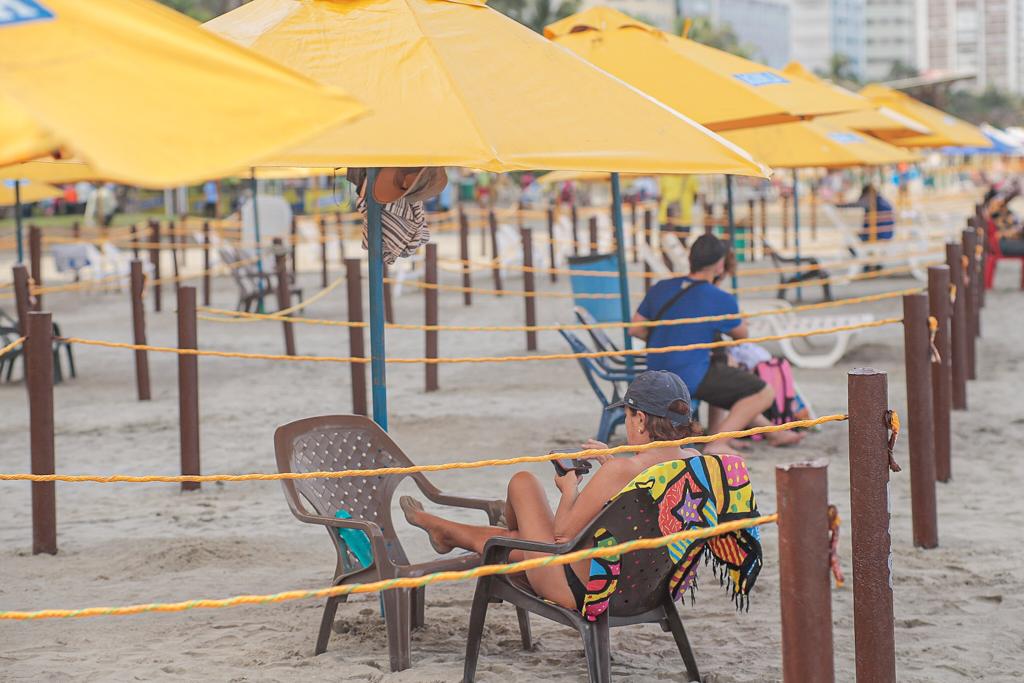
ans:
(952, 293)
(833, 545)
(893, 420)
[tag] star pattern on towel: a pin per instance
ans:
(689, 509)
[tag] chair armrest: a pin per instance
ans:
(497, 548)
(370, 528)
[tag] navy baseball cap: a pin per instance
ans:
(653, 392)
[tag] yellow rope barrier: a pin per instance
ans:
(439, 467)
(10, 347)
(223, 315)
(511, 292)
(486, 359)
(408, 582)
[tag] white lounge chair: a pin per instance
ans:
(819, 351)
(887, 253)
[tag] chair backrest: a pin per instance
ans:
(344, 442)
(591, 370)
(678, 495)
(601, 340)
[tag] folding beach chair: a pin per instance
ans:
(9, 331)
(817, 272)
(639, 587)
(597, 374)
(603, 342)
(356, 511)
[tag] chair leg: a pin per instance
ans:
(71, 361)
(58, 374)
(524, 628)
(418, 600)
(326, 622)
(682, 642)
(397, 619)
(598, 650)
(477, 616)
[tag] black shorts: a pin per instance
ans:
(676, 228)
(723, 386)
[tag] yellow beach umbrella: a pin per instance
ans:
(946, 130)
(715, 88)
(817, 144)
(880, 122)
(29, 192)
(50, 171)
(455, 83)
(143, 95)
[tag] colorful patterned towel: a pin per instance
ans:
(694, 493)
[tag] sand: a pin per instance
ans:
(959, 612)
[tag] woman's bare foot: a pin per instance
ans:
(414, 514)
(724, 447)
(787, 438)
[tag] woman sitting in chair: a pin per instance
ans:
(657, 407)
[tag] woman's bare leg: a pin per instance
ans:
(533, 519)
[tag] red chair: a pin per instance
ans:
(995, 254)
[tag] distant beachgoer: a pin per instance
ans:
(675, 203)
(884, 218)
(211, 198)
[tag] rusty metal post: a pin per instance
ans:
(871, 543)
(551, 242)
(942, 380)
(135, 240)
(22, 299)
(467, 277)
(634, 231)
(492, 222)
(35, 259)
(284, 293)
(172, 235)
(206, 263)
(785, 221)
(592, 227)
(138, 284)
(154, 258)
(188, 386)
(430, 316)
(957, 327)
(293, 235)
(805, 590)
(530, 287)
(764, 218)
(39, 380)
(323, 252)
(356, 338)
(648, 232)
(920, 423)
(575, 228)
(971, 302)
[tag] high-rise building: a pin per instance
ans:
(822, 29)
(979, 36)
(891, 35)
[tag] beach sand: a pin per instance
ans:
(959, 609)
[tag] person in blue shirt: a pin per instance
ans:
(744, 395)
(211, 197)
(885, 219)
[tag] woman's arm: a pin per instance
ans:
(578, 508)
(639, 331)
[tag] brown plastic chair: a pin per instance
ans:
(641, 597)
(341, 442)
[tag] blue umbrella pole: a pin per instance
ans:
(254, 184)
(620, 253)
(375, 244)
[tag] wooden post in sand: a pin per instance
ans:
(206, 263)
(551, 243)
(592, 225)
(634, 231)
(805, 589)
(323, 252)
(284, 293)
(492, 222)
(154, 258)
(356, 338)
(648, 232)
(39, 380)
(971, 301)
(138, 284)
(958, 326)
(430, 316)
(920, 422)
(35, 259)
(530, 286)
(942, 379)
(188, 386)
(574, 215)
(467, 277)
(871, 542)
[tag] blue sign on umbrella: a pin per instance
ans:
(759, 78)
(22, 11)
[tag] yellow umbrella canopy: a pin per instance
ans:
(715, 88)
(30, 192)
(880, 122)
(946, 130)
(50, 171)
(455, 83)
(144, 95)
(808, 144)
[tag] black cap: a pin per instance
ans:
(653, 392)
(706, 249)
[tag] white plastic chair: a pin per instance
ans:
(823, 351)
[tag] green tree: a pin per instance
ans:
(720, 36)
(900, 70)
(535, 14)
(841, 71)
(203, 10)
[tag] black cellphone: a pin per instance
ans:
(565, 465)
